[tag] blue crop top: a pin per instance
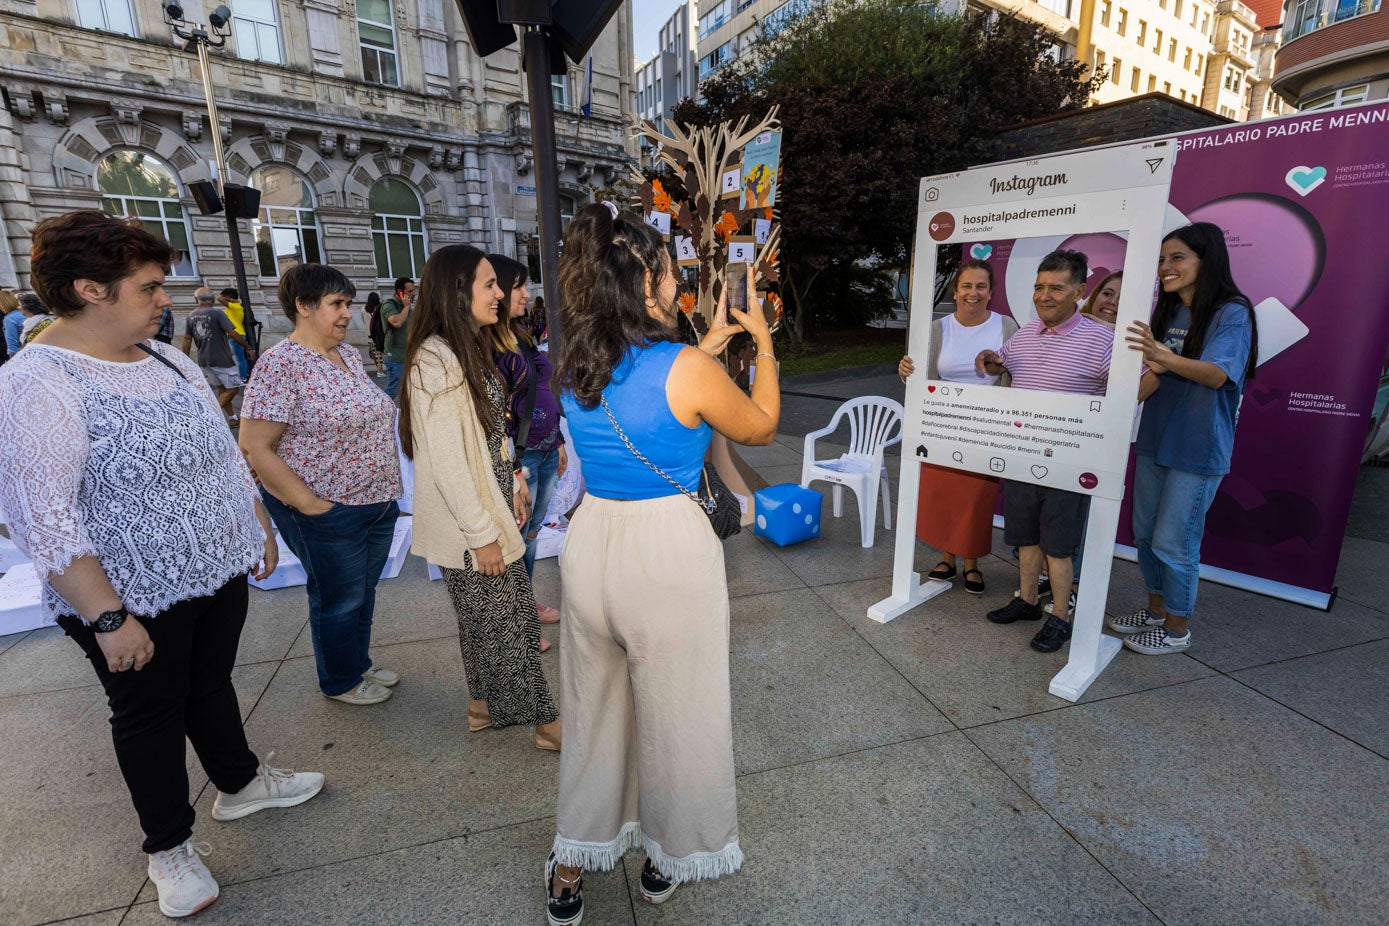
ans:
(637, 397)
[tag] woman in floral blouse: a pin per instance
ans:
(320, 435)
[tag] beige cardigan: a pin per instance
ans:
(458, 505)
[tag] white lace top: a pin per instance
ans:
(129, 462)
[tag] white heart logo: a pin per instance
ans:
(935, 226)
(1039, 471)
(1304, 180)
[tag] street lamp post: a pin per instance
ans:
(236, 200)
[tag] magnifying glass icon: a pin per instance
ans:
(958, 457)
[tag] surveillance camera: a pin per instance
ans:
(219, 17)
(174, 11)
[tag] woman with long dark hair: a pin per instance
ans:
(469, 501)
(1205, 344)
(375, 344)
(532, 419)
(648, 756)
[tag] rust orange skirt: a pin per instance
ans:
(955, 511)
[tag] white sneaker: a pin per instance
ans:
(272, 787)
(383, 677)
(368, 692)
(185, 885)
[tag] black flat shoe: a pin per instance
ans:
(1016, 610)
(943, 572)
(974, 586)
(1053, 635)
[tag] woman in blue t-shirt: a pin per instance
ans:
(648, 729)
(1205, 344)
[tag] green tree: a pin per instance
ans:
(874, 95)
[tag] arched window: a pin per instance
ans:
(286, 231)
(397, 229)
(137, 185)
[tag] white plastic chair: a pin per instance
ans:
(875, 423)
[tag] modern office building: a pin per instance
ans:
(372, 129)
(1334, 52)
(671, 74)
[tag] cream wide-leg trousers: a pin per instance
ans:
(648, 729)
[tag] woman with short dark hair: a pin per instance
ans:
(1204, 343)
(320, 435)
(125, 488)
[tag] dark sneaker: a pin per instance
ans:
(568, 908)
(654, 886)
(1016, 610)
(1053, 635)
(1043, 586)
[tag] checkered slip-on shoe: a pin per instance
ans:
(1158, 642)
(1137, 622)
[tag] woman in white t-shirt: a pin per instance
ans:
(955, 509)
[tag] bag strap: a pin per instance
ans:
(523, 427)
(162, 359)
(709, 505)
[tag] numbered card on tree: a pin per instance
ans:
(761, 228)
(741, 250)
(659, 221)
(685, 253)
(732, 183)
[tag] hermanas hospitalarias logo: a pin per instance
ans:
(941, 226)
(1030, 184)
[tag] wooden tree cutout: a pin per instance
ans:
(701, 157)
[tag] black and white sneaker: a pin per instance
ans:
(1070, 608)
(1137, 622)
(568, 908)
(655, 887)
(1043, 589)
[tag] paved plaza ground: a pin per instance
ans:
(914, 772)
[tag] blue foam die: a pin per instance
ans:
(788, 513)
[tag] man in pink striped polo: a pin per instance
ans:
(1061, 351)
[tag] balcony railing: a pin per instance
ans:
(1305, 16)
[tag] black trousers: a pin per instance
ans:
(185, 690)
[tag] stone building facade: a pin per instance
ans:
(373, 130)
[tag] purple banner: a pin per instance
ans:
(1304, 202)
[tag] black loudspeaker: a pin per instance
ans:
(242, 201)
(487, 32)
(578, 23)
(205, 195)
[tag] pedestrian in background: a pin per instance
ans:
(125, 488)
(36, 317)
(376, 334)
(320, 435)
(469, 502)
(1204, 341)
(230, 301)
(648, 753)
(532, 418)
(9, 308)
(165, 334)
(955, 513)
(209, 327)
(395, 318)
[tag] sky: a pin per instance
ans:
(648, 16)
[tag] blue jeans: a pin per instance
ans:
(343, 551)
(543, 466)
(243, 366)
(1169, 517)
(393, 374)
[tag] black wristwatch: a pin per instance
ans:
(110, 620)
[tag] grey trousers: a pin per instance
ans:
(648, 730)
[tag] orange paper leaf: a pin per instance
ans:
(687, 303)
(660, 200)
(727, 226)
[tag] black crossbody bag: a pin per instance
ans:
(714, 498)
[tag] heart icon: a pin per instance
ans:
(1304, 180)
(935, 226)
(930, 388)
(1017, 424)
(981, 251)
(1039, 471)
